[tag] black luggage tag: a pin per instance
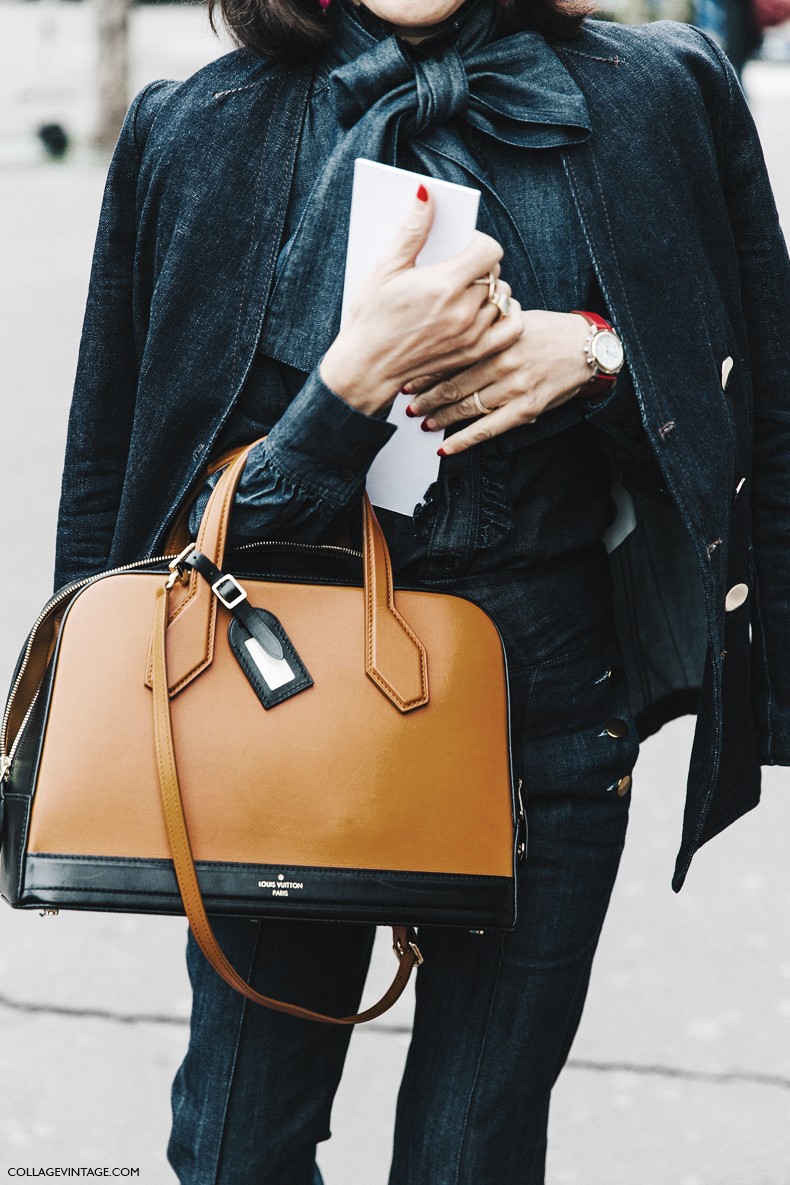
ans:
(273, 679)
(264, 650)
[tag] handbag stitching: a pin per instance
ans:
(195, 591)
(371, 670)
(207, 865)
(268, 698)
(449, 910)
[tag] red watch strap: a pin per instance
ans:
(594, 319)
(598, 386)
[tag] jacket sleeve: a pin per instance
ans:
(103, 399)
(299, 482)
(765, 292)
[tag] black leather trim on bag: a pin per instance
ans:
(55, 880)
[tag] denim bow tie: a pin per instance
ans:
(386, 93)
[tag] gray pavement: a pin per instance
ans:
(680, 1074)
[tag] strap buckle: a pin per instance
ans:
(235, 594)
(400, 951)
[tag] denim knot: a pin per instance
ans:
(435, 88)
(442, 89)
(394, 102)
(361, 83)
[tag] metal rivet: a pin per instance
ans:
(712, 547)
(616, 728)
(665, 429)
(624, 785)
(736, 596)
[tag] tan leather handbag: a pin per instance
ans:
(180, 736)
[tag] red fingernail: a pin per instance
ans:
(422, 194)
(426, 427)
(442, 453)
(411, 412)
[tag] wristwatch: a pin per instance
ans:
(604, 353)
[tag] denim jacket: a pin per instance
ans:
(676, 210)
(465, 525)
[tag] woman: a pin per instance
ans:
(620, 176)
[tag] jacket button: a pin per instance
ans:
(624, 785)
(616, 728)
(736, 596)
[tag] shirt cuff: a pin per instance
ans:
(324, 443)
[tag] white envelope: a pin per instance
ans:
(381, 197)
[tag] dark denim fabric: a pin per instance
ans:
(517, 528)
(671, 193)
(495, 1014)
(384, 101)
(675, 210)
(546, 536)
(499, 513)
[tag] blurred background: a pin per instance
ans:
(69, 68)
(680, 1074)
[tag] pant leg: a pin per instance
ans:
(254, 1093)
(496, 1014)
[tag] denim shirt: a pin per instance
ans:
(502, 514)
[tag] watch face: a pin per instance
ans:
(607, 350)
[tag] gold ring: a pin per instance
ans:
(481, 407)
(491, 281)
(502, 304)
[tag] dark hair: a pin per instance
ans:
(298, 30)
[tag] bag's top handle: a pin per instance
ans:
(395, 659)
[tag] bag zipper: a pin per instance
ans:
(68, 590)
(301, 546)
(62, 595)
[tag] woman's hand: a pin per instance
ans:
(408, 320)
(542, 368)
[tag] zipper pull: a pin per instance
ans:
(5, 767)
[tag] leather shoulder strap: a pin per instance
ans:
(404, 938)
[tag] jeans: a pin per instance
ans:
(495, 1013)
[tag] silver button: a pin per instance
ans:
(736, 596)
